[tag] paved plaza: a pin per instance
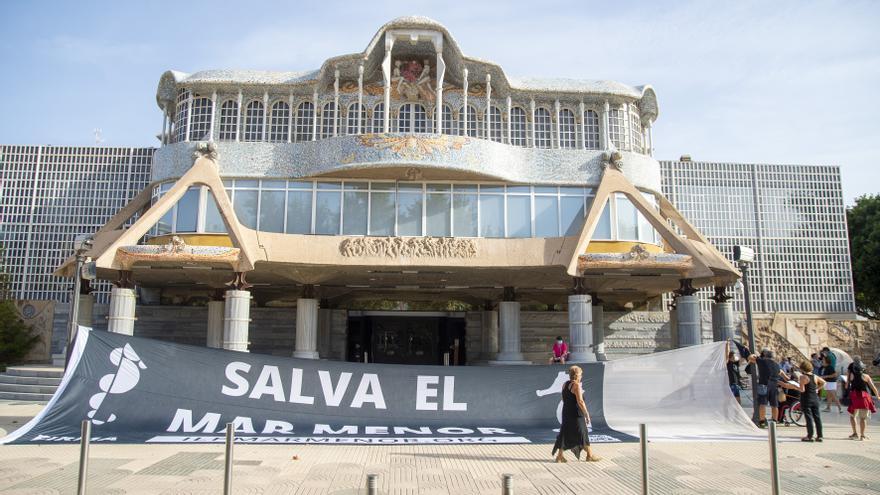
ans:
(838, 466)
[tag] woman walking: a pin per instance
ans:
(809, 386)
(861, 405)
(573, 432)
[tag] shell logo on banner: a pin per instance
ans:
(128, 365)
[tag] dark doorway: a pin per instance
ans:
(406, 339)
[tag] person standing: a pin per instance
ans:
(829, 374)
(560, 351)
(733, 375)
(769, 374)
(574, 432)
(809, 386)
(861, 405)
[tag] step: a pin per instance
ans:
(19, 388)
(29, 380)
(25, 397)
(37, 371)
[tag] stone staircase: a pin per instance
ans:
(30, 383)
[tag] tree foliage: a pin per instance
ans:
(16, 337)
(863, 221)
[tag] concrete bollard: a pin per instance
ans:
(506, 484)
(372, 484)
(227, 474)
(643, 443)
(774, 459)
(84, 442)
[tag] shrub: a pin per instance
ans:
(16, 338)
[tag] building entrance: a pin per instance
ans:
(406, 337)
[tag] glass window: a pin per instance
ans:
(471, 128)
(567, 129)
(202, 109)
(280, 123)
(519, 216)
(328, 120)
(546, 216)
(213, 220)
(464, 211)
(449, 123)
(495, 129)
(404, 118)
(382, 210)
(245, 206)
(379, 118)
(627, 220)
(591, 130)
(635, 128)
(572, 213)
(253, 123)
(327, 212)
(305, 114)
(421, 122)
(646, 231)
(272, 211)
(616, 128)
(491, 215)
(188, 211)
(299, 212)
(355, 124)
(228, 120)
(354, 216)
(438, 215)
(409, 210)
(543, 128)
(180, 118)
(603, 227)
(518, 127)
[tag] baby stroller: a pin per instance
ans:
(790, 409)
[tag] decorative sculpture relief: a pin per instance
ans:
(410, 247)
(412, 80)
(413, 147)
(207, 150)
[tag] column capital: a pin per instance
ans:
(580, 285)
(686, 287)
(721, 294)
(509, 294)
(238, 282)
(123, 280)
(308, 291)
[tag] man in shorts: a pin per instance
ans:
(769, 375)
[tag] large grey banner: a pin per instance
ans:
(136, 390)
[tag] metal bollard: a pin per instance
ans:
(774, 459)
(643, 443)
(372, 484)
(506, 484)
(85, 441)
(227, 475)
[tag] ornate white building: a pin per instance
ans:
(407, 172)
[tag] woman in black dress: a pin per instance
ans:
(575, 417)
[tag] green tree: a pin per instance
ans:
(863, 221)
(16, 338)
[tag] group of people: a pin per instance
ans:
(807, 380)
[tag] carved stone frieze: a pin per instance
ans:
(409, 247)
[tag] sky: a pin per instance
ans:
(767, 82)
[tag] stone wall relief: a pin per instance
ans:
(409, 247)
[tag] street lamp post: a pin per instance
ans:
(744, 256)
(81, 244)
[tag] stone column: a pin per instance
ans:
(723, 324)
(306, 329)
(236, 320)
(121, 318)
(489, 327)
(687, 306)
(509, 331)
(86, 310)
(599, 329)
(216, 311)
(580, 328)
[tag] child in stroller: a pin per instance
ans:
(790, 406)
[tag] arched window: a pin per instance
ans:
(180, 118)
(228, 120)
(404, 118)
(635, 129)
(379, 118)
(543, 128)
(518, 127)
(253, 121)
(449, 123)
(356, 124)
(496, 132)
(328, 117)
(305, 112)
(567, 129)
(280, 122)
(200, 120)
(616, 129)
(591, 130)
(471, 128)
(421, 123)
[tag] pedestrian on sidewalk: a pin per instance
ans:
(809, 386)
(830, 375)
(861, 405)
(733, 375)
(769, 375)
(574, 430)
